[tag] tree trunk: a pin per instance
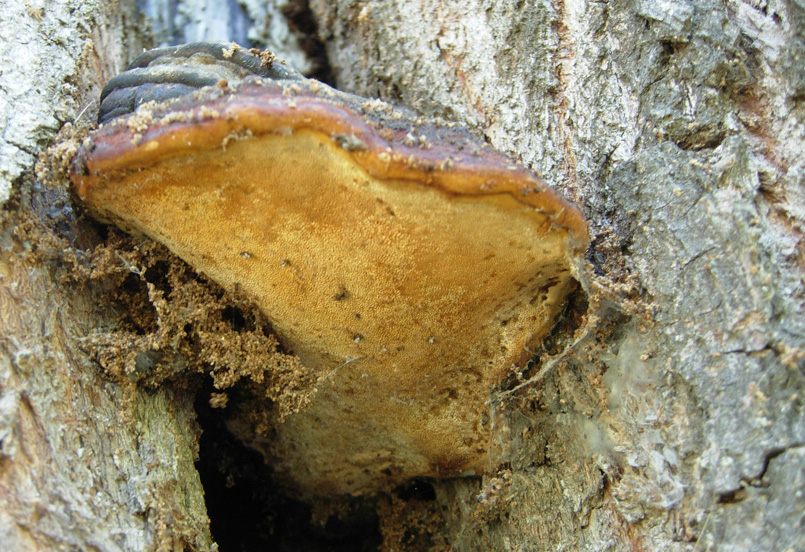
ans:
(666, 411)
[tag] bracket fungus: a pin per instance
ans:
(402, 258)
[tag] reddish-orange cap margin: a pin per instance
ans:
(388, 143)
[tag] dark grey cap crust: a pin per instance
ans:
(174, 71)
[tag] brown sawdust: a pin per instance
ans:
(169, 320)
(174, 319)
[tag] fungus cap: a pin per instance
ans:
(403, 259)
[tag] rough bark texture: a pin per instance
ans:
(678, 126)
(84, 464)
(671, 420)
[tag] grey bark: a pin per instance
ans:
(85, 464)
(678, 127)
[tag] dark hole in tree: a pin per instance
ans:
(417, 489)
(248, 513)
(302, 21)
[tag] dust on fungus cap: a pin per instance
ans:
(402, 258)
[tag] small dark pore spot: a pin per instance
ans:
(341, 294)
(388, 209)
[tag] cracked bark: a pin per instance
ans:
(679, 130)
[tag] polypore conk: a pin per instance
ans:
(405, 260)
